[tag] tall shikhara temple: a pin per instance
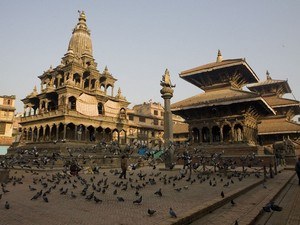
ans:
(76, 103)
(224, 117)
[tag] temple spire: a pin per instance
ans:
(80, 42)
(219, 57)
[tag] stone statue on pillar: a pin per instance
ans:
(167, 94)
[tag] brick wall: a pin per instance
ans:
(6, 140)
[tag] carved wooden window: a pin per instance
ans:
(130, 117)
(2, 127)
(142, 119)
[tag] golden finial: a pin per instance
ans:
(268, 75)
(219, 57)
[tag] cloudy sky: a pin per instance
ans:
(139, 39)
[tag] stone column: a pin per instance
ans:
(221, 134)
(65, 131)
(167, 94)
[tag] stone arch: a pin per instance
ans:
(109, 89)
(30, 133)
(122, 114)
(91, 133)
(122, 137)
(102, 87)
(81, 130)
(25, 133)
(70, 131)
(115, 135)
(196, 135)
(35, 134)
(86, 84)
(77, 79)
(205, 134)
(238, 132)
(93, 83)
(107, 134)
(72, 103)
(226, 133)
(61, 131)
(41, 133)
(53, 132)
(47, 133)
(216, 134)
(100, 134)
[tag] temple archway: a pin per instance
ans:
(205, 135)
(70, 131)
(238, 132)
(216, 134)
(47, 133)
(226, 133)
(196, 135)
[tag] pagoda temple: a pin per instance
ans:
(279, 127)
(76, 102)
(224, 117)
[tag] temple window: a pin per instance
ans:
(72, 103)
(100, 108)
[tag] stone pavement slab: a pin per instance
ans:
(63, 209)
(289, 200)
(249, 205)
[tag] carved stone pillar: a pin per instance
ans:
(167, 94)
(65, 131)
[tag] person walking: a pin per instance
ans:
(123, 167)
(297, 168)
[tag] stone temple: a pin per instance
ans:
(76, 104)
(228, 118)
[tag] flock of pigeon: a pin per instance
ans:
(92, 188)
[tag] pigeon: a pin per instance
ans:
(177, 189)
(275, 207)
(32, 188)
(73, 195)
(37, 195)
(222, 194)
(138, 201)
(267, 208)
(7, 206)
(120, 199)
(45, 198)
(232, 202)
(151, 212)
(172, 213)
(158, 193)
(97, 200)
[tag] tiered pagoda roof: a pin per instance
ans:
(270, 86)
(231, 72)
(277, 126)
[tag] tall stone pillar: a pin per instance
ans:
(167, 94)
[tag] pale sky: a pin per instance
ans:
(139, 39)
